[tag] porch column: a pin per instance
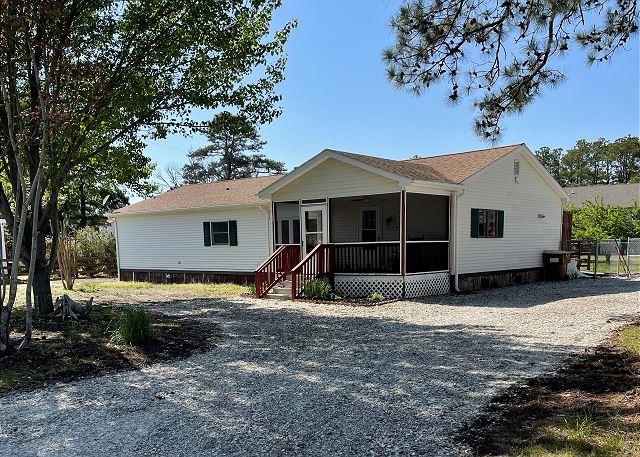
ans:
(403, 232)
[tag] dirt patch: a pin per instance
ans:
(591, 406)
(71, 350)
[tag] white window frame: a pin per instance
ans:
(378, 210)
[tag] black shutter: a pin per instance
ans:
(206, 228)
(500, 233)
(233, 233)
(474, 222)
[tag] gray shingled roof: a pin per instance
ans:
(610, 194)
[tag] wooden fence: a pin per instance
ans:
(88, 267)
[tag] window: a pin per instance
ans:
(284, 231)
(369, 224)
(289, 231)
(223, 233)
(220, 232)
(487, 223)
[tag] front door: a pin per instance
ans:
(314, 228)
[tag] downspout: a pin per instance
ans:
(455, 196)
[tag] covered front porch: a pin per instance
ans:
(395, 243)
(365, 224)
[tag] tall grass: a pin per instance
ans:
(134, 327)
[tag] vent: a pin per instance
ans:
(516, 167)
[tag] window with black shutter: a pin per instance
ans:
(487, 223)
(220, 233)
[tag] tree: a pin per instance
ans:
(593, 163)
(627, 153)
(101, 185)
(503, 52)
(232, 152)
(170, 177)
(82, 78)
(551, 159)
(595, 221)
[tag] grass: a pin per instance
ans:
(629, 340)
(125, 292)
(610, 427)
(585, 434)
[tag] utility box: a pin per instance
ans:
(555, 265)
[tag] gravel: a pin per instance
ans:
(299, 378)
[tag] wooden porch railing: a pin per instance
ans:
(277, 266)
(374, 257)
(319, 263)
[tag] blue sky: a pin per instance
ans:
(336, 96)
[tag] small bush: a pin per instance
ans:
(376, 297)
(317, 290)
(134, 327)
(252, 289)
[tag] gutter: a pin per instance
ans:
(178, 210)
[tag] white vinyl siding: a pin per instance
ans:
(333, 178)
(174, 241)
(526, 235)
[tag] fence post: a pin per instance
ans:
(595, 265)
(629, 256)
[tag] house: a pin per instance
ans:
(624, 195)
(397, 227)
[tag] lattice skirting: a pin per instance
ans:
(391, 286)
(364, 285)
(426, 284)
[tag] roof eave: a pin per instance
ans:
(195, 208)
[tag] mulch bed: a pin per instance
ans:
(71, 350)
(604, 381)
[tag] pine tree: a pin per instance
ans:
(231, 154)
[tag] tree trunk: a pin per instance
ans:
(41, 280)
(83, 206)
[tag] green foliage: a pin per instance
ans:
(317, 290)
(232, 152)
(115, 75)
(502, 54)
(595, 221)
(134, 327)
(91, 242)
(376, 296)
(592, 163)
(252, 289)
(629, 340)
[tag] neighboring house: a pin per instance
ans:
(609, 194)
(399, 228)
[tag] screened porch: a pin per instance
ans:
(391, 233)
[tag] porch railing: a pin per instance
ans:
(317, 264)
(277, 266)
(373, 257)
(426, 256)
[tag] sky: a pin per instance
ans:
(336, 96)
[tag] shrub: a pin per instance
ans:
(134, 327)
(252, 289)
(376, 296)
(91, 242)
(317, 290)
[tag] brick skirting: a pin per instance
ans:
(490, 279)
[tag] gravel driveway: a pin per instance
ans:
(313, 379)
